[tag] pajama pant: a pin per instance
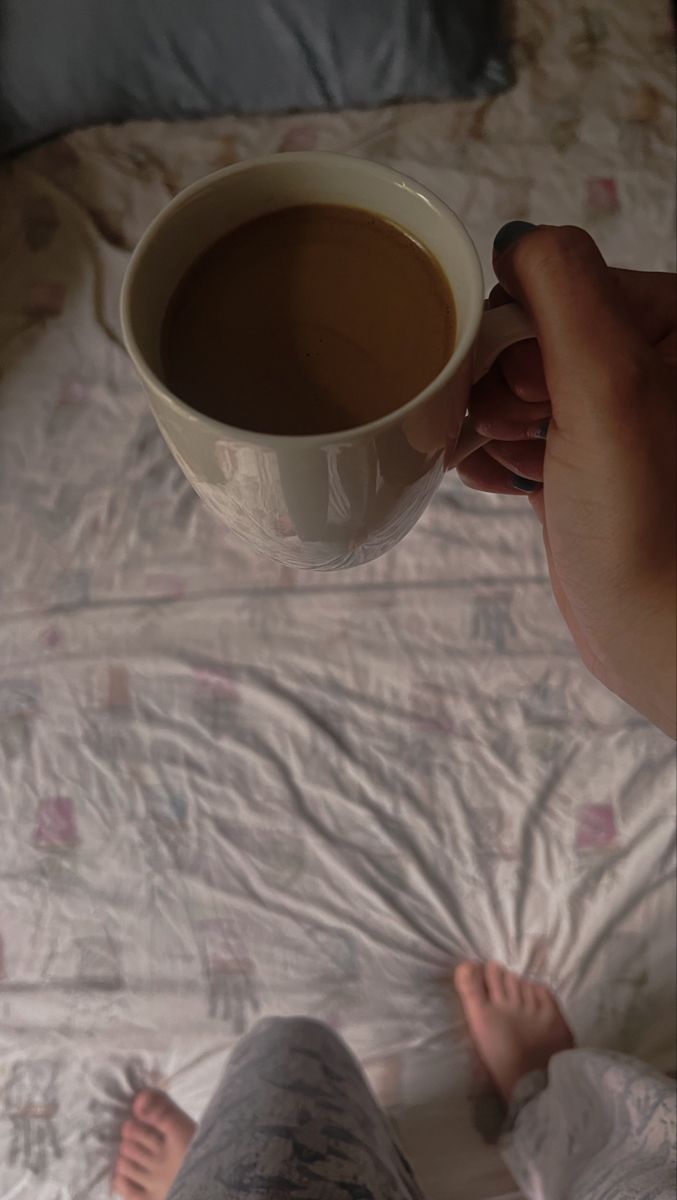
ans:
(294, 1119)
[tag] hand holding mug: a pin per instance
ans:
(603, 366)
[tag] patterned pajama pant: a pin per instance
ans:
(294, 1119)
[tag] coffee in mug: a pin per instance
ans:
(309, 320)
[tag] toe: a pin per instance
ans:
(512, 986)
(162, 1116)
(155, 1110)
(541, 996)
(127, 1189)
(137, 1150)
(131, 1168)
(528, 997)
(141, 1135)
(469, 982)
(494, 975)
(147, 1102)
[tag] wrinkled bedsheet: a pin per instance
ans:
(231, 790)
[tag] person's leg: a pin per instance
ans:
(583, 1125)
(293, 1116)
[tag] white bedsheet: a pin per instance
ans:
(229, 790)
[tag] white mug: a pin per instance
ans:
(322, 500)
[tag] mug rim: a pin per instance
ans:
(285, 440)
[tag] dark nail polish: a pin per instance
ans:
(525, 485)
(541, 431)
(511, 233)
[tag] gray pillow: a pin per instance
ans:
(66, 63)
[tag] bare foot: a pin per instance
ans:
(153, 1143)
(515, 1025)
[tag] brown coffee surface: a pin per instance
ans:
(308, 320)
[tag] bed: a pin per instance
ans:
(230, 790)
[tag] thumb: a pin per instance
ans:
(592, 351)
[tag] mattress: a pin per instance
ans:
(230, 790)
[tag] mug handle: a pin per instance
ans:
(500, 328)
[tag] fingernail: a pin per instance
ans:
(539, 430)
(511, 233)
(524, 485)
